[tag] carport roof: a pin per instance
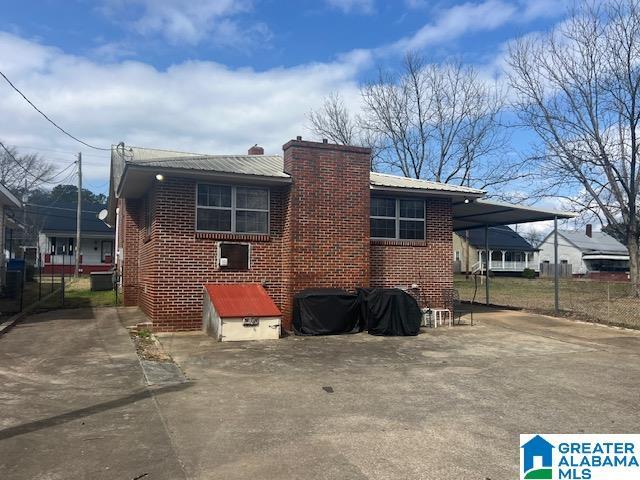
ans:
(481, 212)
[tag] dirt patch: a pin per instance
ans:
(149, 348)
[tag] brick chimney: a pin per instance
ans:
(327, 218)
(589, 231)
(256, 150)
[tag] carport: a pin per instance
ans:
(480, 213)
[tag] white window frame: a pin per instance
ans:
(234, 209)
(398, 218)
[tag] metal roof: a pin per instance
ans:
(241, 300)
(261, 165)
(394, 181)
(599, 242)
(267, 166)
(471, 213)
(500, 238)
(480, 213)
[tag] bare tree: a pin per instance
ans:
(438, 122)
(29, 173)
(531, 235)
(578, 88)
(334, 121)
(337, 124)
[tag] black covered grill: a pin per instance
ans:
(381, 311)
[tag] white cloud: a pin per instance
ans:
(472, 17)
(187, 21)
(358, 6)
(194, 106)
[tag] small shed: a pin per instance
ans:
(233, 312)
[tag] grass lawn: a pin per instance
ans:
(599, 301)
(78, 294)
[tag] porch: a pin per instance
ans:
(506, 261)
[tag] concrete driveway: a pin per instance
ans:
(449, 403)
(74, 404)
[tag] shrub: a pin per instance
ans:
(529, 273)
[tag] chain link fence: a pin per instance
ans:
(609, 302)
(31, 291)
(28, 287)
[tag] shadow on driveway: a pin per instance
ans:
(88, 411)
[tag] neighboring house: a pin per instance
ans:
(590, 254)
(315, 217)
(10, 229)
(509, 253)
(57, 238)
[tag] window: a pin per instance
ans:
(456, 256)
(62, 246)
(225, 208)
(235, 255)
(397, 218)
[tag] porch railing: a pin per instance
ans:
(506, 266)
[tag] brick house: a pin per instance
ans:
(314, 217)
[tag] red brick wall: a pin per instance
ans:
(177, 261)
(129, 213)
(427, 264)
(148, 273)
(327, 234)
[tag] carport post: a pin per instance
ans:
(556, 269)
(486, 257)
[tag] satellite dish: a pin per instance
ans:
(103, 214)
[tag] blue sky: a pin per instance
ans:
(217, 76)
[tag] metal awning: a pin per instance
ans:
(481, 213)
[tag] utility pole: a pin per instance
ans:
(78, 216)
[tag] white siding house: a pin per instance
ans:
(589, 253)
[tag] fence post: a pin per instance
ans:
(63, 265)
(39, 276)
(556, 270)
(488, 259)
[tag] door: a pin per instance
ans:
(107, 251)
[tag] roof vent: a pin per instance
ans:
(256, 150)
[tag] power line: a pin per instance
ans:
(12, 156)
(59, 208)
(58, 150)
(48, 119)
(63, 170)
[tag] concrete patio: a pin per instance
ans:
(449, 403)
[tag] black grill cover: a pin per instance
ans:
(390, 311)
(326, 312)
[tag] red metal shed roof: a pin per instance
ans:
(242, 300)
